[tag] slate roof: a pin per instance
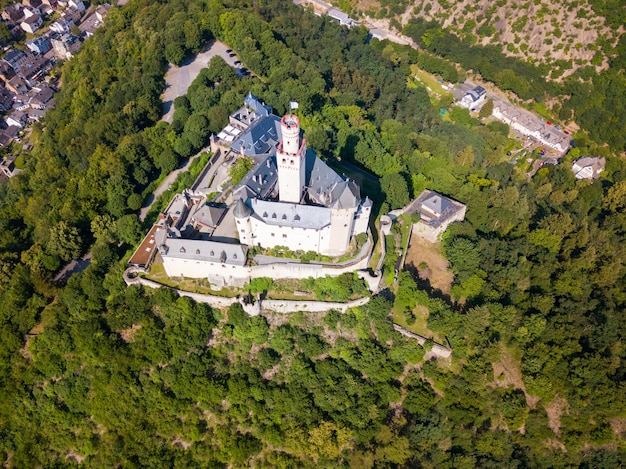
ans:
(241, 210)
(260, 180)
(209, 215)
(291, 214)
(260, 138)
(435, 209)
(257, 106)
(202, 250)
(325, 187)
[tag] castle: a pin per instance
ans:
(311, 208)
(289, 199)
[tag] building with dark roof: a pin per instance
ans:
(295, 199)
(436, 212)
(290, 199)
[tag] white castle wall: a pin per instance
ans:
(224, 274)
(341, 223)
(295, 239)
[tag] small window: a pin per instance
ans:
(182, 249)
(212, 253)
(234, 256)
(272, 234)
(297, 218)
(264, 214)
(284, 161)
(291, 162)
(284, 216)
(197, 251)
(284, 235)
(273, 215)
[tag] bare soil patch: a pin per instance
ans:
(128, 334)
(555, 410)
(506, 372)
(430, 263)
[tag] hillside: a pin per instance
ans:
(565, 35)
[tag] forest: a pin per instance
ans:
(100, 374)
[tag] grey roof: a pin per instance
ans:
(201, 250)
(260, 138)
(588, 167)
(209, 215)
(326, 187)
(476, 93)
(260, 180)
(430, 201)
(241, 210)
(436, 203)
(291, 214)
(253, 103)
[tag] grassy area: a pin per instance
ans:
(194, 285)
(428, 79)
(420, 326)
(541, 109)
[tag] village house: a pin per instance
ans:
(32, 23)
(43, 99)
(33, 68)
(32, 3)
(474, 98)
(6, 99)
(102, 11)
(15, 58)
(16, 119)
(39, 45)
(7, 168)
(6, 72)
(61, 26)
(78, 5)
(588, 167)
(13, 14)
(18, 85)
(436, 213)
(65, 46)
(529, 125)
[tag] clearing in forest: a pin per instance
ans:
(430, 263)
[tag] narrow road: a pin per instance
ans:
(167, 182)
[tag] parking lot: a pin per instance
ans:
(178, 79)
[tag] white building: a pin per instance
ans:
(527, 124)
(588, 167)
(290, 199)
(317, 210)
(474, 98)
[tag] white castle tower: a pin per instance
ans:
(290, 159)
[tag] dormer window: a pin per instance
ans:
(212, 253)
(284, 216)
(197, 251)
(297, 218)
(182, 249)
(234, 256)
(273, 215)
(264, 214)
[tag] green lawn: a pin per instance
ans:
(428, 79)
